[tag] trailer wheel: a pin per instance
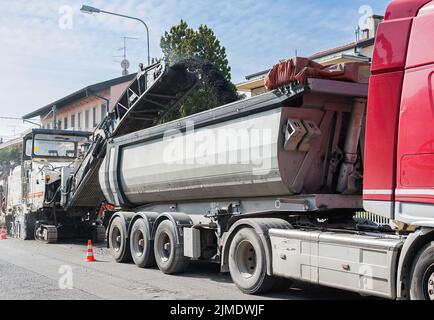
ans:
(168, 255)
(118, 241)
(247, 263)
(422, 275)
(142, 250)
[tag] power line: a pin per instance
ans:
(20, 119)
(11, 118)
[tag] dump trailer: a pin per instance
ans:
(273, 188)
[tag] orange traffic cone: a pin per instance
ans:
(90, 257)
(3, 235)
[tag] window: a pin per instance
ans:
(44, 146)
(86, 119)
(62, 146)
(73, 121)
(65, 123)
(48, 126)
(29, 147)
(95, 122)
(79, 121)
(59, 124)
(103, 111)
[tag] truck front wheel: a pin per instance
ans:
(118, 241)
(422, 277)
(168, 254)
(247, 263)
(142, 250)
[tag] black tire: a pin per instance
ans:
(142, 250)
(98, 234)
(169, 256)
(46, 234)
(247, 263)
(118, 242)
(422, 275)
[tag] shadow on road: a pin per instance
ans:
(211, 272)
(299, 290)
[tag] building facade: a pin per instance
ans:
(360, 50)
(82, 110)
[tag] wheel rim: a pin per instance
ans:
(37, 232)
(164, 246)
(116, 239)
(245, 259)
(138, 243)
(429, 283)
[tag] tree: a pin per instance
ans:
(9, 158)
(182, 42)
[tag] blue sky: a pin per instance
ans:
(49, 48)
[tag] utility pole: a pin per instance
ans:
(125, 64)
(54, 110)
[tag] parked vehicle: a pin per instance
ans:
(33, 199)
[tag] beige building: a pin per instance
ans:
(360, 50)
(82, 110)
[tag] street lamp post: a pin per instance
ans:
(90, 10)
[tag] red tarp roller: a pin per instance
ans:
(300, 69)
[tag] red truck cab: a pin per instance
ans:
(399, 155)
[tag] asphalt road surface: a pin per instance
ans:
(32, 270)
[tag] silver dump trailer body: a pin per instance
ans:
(278, 144)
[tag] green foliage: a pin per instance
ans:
(9, 157)
(182, 42)
(12, 153)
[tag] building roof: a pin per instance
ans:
(344, 47)
(80, 94)
(257, 74)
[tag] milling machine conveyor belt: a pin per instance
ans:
(155, 91)
(151, 95)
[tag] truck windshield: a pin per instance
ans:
(58, 146)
